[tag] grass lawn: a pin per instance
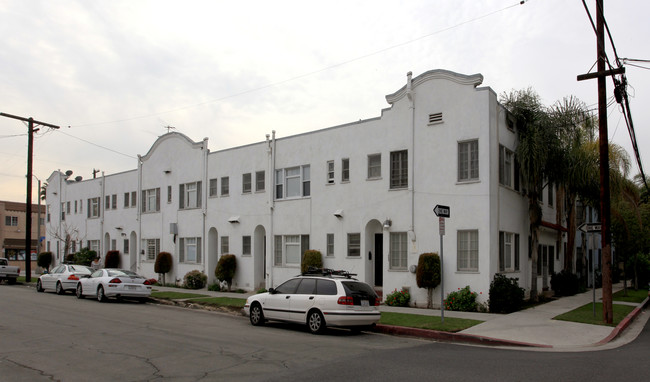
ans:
(176, 295)
(21, 279)
(220, 301)
(585, 314)
(636, 296)
(427, 322)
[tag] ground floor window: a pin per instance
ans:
(398, 251)
(354, 244)
(152, 248)
(93, 245)
(289, 249)
(508, 252)
(467, 260)
(190, 250)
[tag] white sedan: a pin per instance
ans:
(118, 283)
(62, 278)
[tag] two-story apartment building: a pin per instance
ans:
(362, 193)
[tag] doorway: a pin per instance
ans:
(379, 259)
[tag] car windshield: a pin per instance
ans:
(122, 272)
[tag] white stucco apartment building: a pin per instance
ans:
(362, 193)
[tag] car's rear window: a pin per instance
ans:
(122, 272)
(356, 287)
(80, 269)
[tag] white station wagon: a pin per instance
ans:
(319, 298)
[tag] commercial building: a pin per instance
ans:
(13, 232)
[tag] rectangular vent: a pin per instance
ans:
(435, 118)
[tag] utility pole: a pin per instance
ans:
(28, 208)
(605, 214)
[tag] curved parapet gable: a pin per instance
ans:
(174, 135)
(437, 74)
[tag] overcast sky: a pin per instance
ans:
(114, 73)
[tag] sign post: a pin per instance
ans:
(590, 228)
(441, 212)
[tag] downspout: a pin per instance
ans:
(101, 221)
(58, 245)
(271, 239)
(411, 154)
(138, 244)
(204, 203)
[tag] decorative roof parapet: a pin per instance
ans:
(462, 79)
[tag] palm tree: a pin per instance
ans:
(538, 151)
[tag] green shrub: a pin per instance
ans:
(642, 269)
(226, 268)
(463, 300)
(506, 296)
(112, 259)
(83, 257)
(311, 259)
(398, 298)
(565, 283)
(216, 287)
(427, 274)
(44, 260)
(195, 279)
(70, 258)
(163, 264)
(262, 290)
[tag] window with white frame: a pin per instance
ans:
(292, 182)
(399, 177)
(508, 252)
(134, 198)
(397, 255)
(225, 186)
(246, 183)
(93, 207)
(213, 191)
(506, 166)
(330, 245)
(374, 166)
(354, 245)
(126, 202)
(189, 195)
(152, 248)
(467, 251)
(169, 194)
(190, 250)
(107, 204)
(93, 245)
(330, 172)
(289, 249)
(246, 245)
(11, 221)
(345, 170)
(113, 203)
(225, 245)
(151, 200)
(260, 181)
(125, 247)
(468, 160)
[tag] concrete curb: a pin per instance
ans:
(452, 337)
(624, 323)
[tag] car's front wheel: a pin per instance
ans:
(59, 288)
(256, 315)
(39, 286)
(316, 322)
(80, 291)
(101, 297)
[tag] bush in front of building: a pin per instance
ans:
(163, 264)
(506, 296)
(398, 298)
(427, 274)
(462, 300)
(225, 270)
(312, 258)
(195, 279)
(44, 260)
(565, 283)
(84, 257)
(112, 259)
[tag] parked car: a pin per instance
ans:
(62, 278)
(319, 299)
(8, 272)
(118, 283)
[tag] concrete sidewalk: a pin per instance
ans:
(532, 328)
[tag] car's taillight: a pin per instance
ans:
(146, 282)
(115, 281)
(73, 277)
(345, 300)
(377, 301)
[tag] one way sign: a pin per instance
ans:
(441, 211)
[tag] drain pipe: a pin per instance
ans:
(271, 148)
(411, 155)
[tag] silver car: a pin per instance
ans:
(118, 283)
(62, 278)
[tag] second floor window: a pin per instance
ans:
(11, 221)
(259, 181)
(93, 207)
(190, 195)
(468, 160)
(399, 168)
(151, 200)
(292, 182)
(374, 166)
(246, 183)
(345, 170)
(213, 188)
(330, 172)
(225, 186)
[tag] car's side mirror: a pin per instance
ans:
(271, 290)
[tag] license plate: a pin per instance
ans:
(131, 287)
(365, 303)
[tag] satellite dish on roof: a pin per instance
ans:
(68, 173)
(78, 178)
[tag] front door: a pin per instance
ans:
(379, 259)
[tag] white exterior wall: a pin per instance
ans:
(484, 205)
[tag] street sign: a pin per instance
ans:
(590, 227)
(441, 211)
(441, 223)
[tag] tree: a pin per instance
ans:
(538, 151)
(163, 264)
(226, 268)
(44, 260)
(311, 259)
(428, 274)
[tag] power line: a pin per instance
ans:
(97, 145)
